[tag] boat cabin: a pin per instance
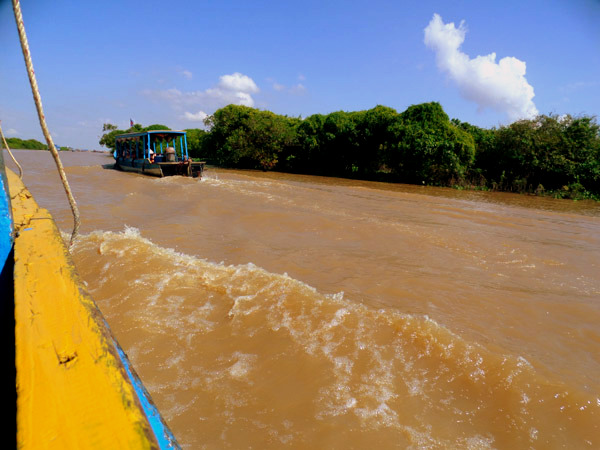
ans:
(156, 152)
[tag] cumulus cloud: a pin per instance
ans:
(501, 85)
(237, 82)
(234, 88)
(195, 117)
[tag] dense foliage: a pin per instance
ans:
(419, 145)
(560, 155)
(548, 154)
(110, 131)
(30, 144)
(246, 137)
(196, 142)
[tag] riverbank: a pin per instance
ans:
(548, 155)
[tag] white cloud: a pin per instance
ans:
(238, 82)
(298, 89)
(195, 117)
(12, 132)
(236, 88)
(225, 97)
(500, 85)
(187, 74)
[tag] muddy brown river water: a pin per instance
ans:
(266, 310)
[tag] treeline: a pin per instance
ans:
(195, 136)
(29, 144)
(549, 154)
(110, 132)
(558, 155)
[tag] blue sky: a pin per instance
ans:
(156, 62)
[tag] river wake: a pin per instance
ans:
(235, 356)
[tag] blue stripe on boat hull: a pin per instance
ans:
(6, 227)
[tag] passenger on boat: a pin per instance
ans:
(171, 155)
(151, 155)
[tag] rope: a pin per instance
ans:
(40, 111)
(10, 153)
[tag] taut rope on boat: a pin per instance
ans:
(10, 153)
(38, 103)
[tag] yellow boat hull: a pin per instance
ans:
(75, 388)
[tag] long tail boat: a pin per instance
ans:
(75, 387)
(158, 152)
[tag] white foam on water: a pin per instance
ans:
(242, 366)
(378, 360)
(479, 442)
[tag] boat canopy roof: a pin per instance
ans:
(155, 134)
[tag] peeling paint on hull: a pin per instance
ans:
(75, 386)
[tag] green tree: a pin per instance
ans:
(197, 143)
(485, 145)
(249, 138)
(308, 136)
(550, 153)
(419, 145)
(29, 144)
(376, 138)
(156, 126)
(430, 149)
(582, 136)
(338, 144)
(109, 131)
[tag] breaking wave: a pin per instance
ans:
(236, 355)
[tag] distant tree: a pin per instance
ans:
(560, 154)
(196, 141)
(338, 143)
(375, 139)
(108, 127)
(107, 139)
(309, 137)
(110, 131)
(250, 138)
(485, 159)
(429, 147)
(29, 144)
(156, 126)
(582, 137)
(135, 128)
